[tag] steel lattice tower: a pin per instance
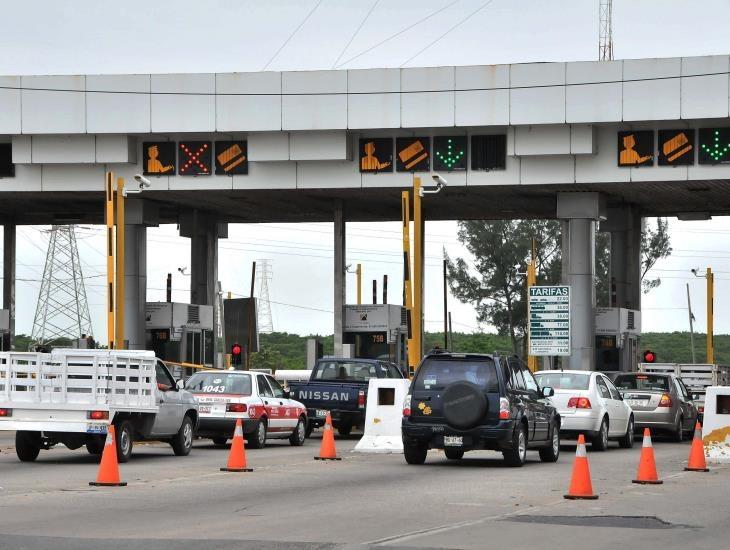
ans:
(605, 30)
(62, 310)
(264, 274)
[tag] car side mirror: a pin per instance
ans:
(287, 394)
(547, 391)
(180, 384)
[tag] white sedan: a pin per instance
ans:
(590, 404)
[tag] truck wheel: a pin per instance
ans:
(95, 444)
(27, 445)
(310, 429)
(552, 451)
(454, 454)
(183, 440)
(344, 430)
(124, 440)
(297, 438)
(220, 441)
(415, 454)
(257, 440)
(517, 455)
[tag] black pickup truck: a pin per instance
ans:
(339, 386)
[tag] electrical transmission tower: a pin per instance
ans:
(62, 310)
(264, 274)
(605, 30)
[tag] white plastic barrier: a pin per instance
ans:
(383, 416)
(716, 426)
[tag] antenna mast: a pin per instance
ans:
(605, 30)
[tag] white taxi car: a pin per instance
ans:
(256, 398)
(590, 404)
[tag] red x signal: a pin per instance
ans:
(197, 158)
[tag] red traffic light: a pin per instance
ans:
(236, 349)
(649, 356)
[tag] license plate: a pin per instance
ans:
(321, 413)
(205, 409)
(96, 428)
(453, 441)
(637, 402)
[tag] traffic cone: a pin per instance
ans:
(108, 475)
(581, 487)
(237, 456)
(327, 450)
(696, 461)
(647, 474)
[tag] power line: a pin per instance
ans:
(294, 32)
(357, 31)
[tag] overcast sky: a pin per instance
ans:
(139, 36)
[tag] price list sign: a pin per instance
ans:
(549, 320)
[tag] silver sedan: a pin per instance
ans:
(659, 401)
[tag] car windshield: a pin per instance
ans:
(214, 382)
(343, 370)
(435, 374)
(563, 380)
(642, 382)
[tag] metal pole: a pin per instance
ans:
(418, 227)
(375, 291)
(168, 289)
(109, 218)
(691, 327)
(451, 334)
(710, 316)
(358, 274)
(446, 307)
(250, 318)
(531, 281)
(407, 289)
(120, 290)
(385, 289)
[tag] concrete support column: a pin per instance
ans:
(9, 239)
(204, 232)
(625, 225)
(581, 210)
(339, 272)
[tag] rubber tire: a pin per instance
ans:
(627, 441)
(598, 442)
(454, 454)
(463, 405)
(220, 441)
(551, 453)
(310, 429)
(415, 454)
(297, 438)
(345, 430)
(125, 426)
(678, 434)
(513, 457)
(257, 440)
(181, 443)
(95, 444)
(27, 445)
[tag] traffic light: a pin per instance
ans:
(649, 356)
(236, 354)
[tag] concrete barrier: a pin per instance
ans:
(383, 416)
(716, 426)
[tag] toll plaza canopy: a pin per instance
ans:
(281, 146)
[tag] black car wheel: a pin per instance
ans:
(296, 439)
(600, 440)
(27, 445)
(95, 444)
(257, 440)
(415, 454)
(220, 441)
(454, 454)
(125, 440)
(627, 441)
(517, 455)
(678, 434)
(182, 442)
(309, 430)
(552, 451)
(344, 430)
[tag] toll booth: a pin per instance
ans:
(618, 331)
(180, 332)
(377, 331)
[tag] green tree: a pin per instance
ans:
(655, 245)
(266, 358)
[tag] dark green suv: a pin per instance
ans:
(463, 402)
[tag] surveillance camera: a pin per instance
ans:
(694, 271)
(440, 181)
(143, 182)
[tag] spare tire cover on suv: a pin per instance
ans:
(463, 405)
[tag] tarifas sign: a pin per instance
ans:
(549, 320)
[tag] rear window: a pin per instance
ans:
(641, 382)
(438, 373)
(336, 370)
(563, 380)
(213, 382)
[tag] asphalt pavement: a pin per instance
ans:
(363, 501)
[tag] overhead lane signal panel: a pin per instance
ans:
(489, 152)
(636, 148)
(413, 154)
(231, 158)
(676, 147)
(449, 153)
(714, 146)
(376, 155)
(195, 158)
(159, 158)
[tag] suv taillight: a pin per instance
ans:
(407, 406)
(236, 407)
(579, 403)
(504, 413)
(361, 399)
(665, 401)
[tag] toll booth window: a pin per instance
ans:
(213, 382)
(345, 371)
(437, 374)
(563, 381)
(646, 382)
(723, 404)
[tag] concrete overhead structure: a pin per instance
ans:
(303, 131)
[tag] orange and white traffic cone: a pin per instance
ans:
(581, 487)
(108, 475)
(327, 450)
(697, 461)
(647, 474)
(237, 456)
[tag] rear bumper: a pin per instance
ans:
(660, 420)
(339, 417)
(585, 422)
(223, 427)
(497, 437)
